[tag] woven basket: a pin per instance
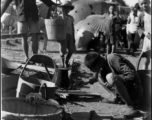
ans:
(19, 109)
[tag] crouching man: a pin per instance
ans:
(116, 73)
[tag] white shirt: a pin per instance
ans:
(147, 22)
(134, 22)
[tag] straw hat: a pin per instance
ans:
(67, 3)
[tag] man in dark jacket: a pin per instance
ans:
(114, 72)
(27, 21)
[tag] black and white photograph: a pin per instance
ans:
(76, 60)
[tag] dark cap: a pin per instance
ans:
(90, 58)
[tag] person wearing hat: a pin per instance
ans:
(116, 74)
(69, 43)
(133, 23)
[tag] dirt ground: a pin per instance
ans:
(13, 52)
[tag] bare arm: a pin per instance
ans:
(97, 77)
(5, 5)
(73, 31)
(101, 80)
(127, 27)
(129, 20)
(94, 78)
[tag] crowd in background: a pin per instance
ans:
(123, 33)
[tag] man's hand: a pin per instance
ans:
(107, 85)
(148, 36)
(92, 80)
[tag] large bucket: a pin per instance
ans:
(56, 29)
(28, 85)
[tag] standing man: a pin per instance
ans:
(27, 21)
(146, 19)
(133, 24)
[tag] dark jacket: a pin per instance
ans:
(120, 66)
(28, 9)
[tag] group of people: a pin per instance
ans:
(115, 72)
(112, 70)
(134, 27)
(30, 17)
(139, 22)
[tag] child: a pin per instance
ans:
(110, 39)
(132, 27)
(114, 72)
(69, 43)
